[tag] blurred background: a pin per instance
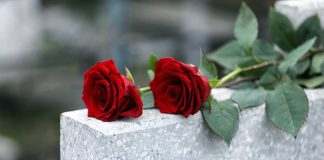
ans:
(46, 45)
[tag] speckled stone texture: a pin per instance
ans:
(162, 136)
(298, 10)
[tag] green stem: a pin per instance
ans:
(238, 70)
(311, 52)
(229, 76)
(239, 80)
(249, 53)
(144, 90)
(316, 50)
(260, 65)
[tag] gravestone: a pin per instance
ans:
(298, 10)
(163, 136)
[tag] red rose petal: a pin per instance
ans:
(108, 95)
(179, 88)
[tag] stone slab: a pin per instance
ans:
(161, 136)
(9, 149)
(298, 10)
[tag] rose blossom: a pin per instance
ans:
(179, 88)
(109, 95)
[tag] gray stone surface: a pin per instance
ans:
(299, 10)
(9, 149)
(162, 136)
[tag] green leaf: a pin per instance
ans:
(284, 78)
(299, 68)
(281, 30)
(317, 62)
(270, 77)
(148, 100)
(152, 61)
(150, 74)
(246, 27)
(223, 118)
(207, 68)
(213, 82)
(312, 82)
(249, 98)
(129, 75)
(254, 72)
(287, 107)
(310, 28)
(295, 55)
(264, 51)
(229, 55)
(244, 85)
(322, 69)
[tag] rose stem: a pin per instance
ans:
(144, 90)
(239, 70)
(228, 77)
(239, 80)
(311, 52)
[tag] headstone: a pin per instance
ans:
(9, 149)
(298, 10)
(163, 136)
(20, 30)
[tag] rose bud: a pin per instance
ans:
(179, 88)
(108, 95)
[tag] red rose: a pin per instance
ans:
(109, 95)
(179, 88)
